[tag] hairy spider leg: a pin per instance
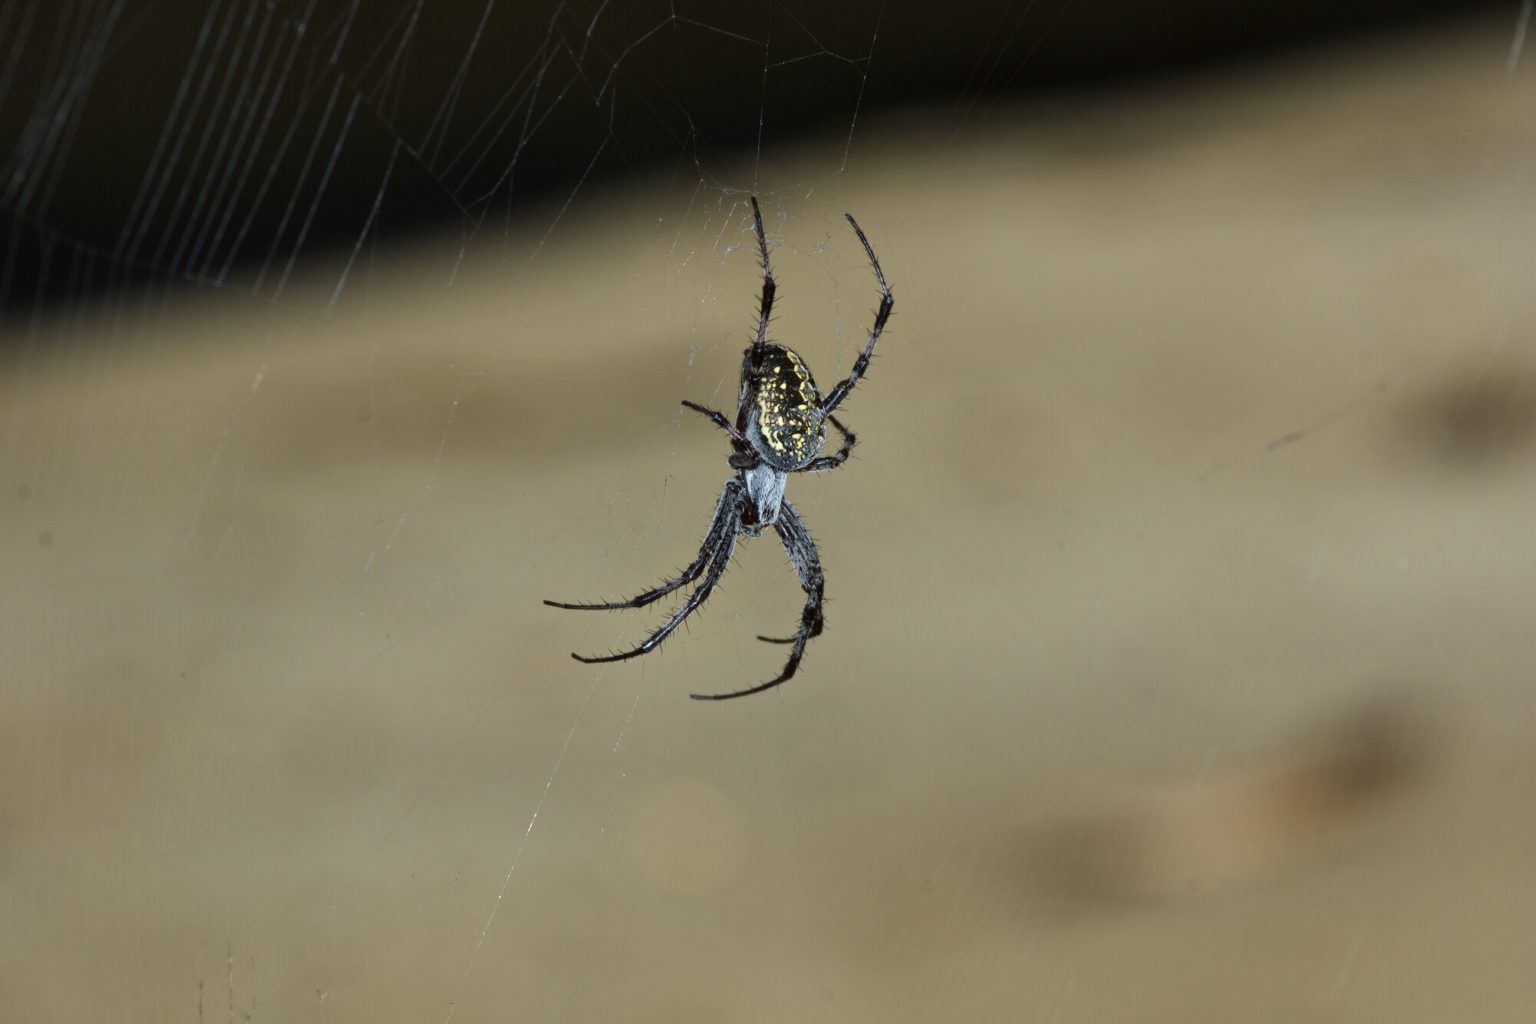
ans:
(726, 520)
(808, 544)
(765, 304)
(827, 462)
(717, 567)
(717, 418)
(802, 555)
(836, 395)
(764, 313)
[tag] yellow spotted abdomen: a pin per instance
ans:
(786, 417)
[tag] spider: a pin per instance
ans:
(779, 429)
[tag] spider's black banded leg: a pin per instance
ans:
(764, 313)
(765, 306)
(720, 559)
(836, 395)
(722, 536)
(807, 565)
(717, 418)
(802, 555)
(827, 462)
(726, 521)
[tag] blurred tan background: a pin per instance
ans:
(1178, 651)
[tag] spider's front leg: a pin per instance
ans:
(715, 553)
(802, 555)
(727, 520)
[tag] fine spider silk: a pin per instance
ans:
(779, 429)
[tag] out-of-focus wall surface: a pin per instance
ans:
(1178, 652)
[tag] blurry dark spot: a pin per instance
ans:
(1284, 439)
(1374, 750)
(23, 492)
(1219, 832)
(1470, 422)
(364, 416)
(44, 539)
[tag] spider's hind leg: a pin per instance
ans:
(861, 364)
(765, 304)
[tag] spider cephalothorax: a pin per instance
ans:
(779, 429)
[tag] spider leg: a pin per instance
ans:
(719, 559)
(802, 555)
(827, 462)
(717, 418)
(764, 313)
(836, 395)
(727, 515)
(765, 306)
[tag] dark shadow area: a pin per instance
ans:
(213, 142)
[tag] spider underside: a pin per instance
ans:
(779, 429)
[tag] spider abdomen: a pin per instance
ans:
(785, 423)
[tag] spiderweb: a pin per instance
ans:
(289, 138)
(335, 335)
(203, 209)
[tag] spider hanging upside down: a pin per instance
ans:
(779, 429)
